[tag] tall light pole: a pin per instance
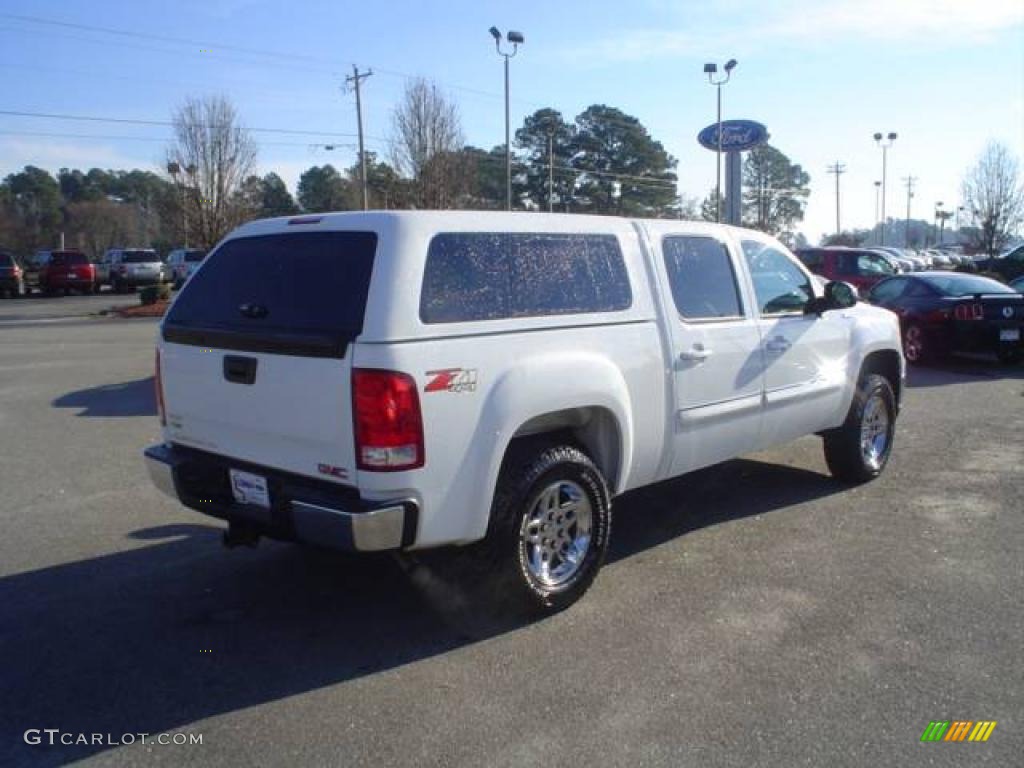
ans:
(710, 69)
(174, 169)
(889, 139)
(838, 169)
(878, 186)
(516, 39)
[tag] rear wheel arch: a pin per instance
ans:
(593, 429)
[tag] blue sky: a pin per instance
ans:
(823, 75)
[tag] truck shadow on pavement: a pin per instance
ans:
(173, 630)
(131, 398)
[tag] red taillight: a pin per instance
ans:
(969, 312)
(388, 423)
(159, 384)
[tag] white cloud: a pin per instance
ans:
(744, 25)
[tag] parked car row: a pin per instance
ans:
(124, 269)
(1009, 265)
(865, 267)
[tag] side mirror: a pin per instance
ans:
(838, 295)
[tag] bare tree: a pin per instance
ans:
(427, 134)
(210, 158)
(993, 195)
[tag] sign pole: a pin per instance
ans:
(733, 188)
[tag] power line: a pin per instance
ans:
(214, 47)
(162, 140)
(909, 182)
(162, 123)
(159, 38)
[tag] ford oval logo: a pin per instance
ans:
(737, 135)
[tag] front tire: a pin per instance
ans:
(858, 451)
(550, 524)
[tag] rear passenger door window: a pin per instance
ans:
(781, 287)
(702, 278)
(490, 276)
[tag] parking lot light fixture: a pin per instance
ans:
(889, 139)
(515, 39)
(710, 69)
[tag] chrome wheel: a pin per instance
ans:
(555, 534)
(874, 432)
(913, 344)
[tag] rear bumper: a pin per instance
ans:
(311, 511)
(985, 337)
(135, 281)
(69, 281)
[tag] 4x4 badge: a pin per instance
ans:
(451, 380)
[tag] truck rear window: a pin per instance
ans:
(140, 257)
(490, 276)
(302, 293)
(67, 259)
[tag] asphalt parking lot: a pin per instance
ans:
(755, 613)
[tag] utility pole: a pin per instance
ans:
(551, 172)
(909, 181)
(355, 78)
(838, 169)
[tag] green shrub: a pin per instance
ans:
(153, 293)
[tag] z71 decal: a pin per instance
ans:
(451, 380)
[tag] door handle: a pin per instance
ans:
(778, 344)
(240, 370)
(696, 354)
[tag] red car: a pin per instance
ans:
(65, 271)
(858, 267)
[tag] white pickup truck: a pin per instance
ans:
(409, 380)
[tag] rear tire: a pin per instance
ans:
(550, 524)
(916, 348)
(858, 451)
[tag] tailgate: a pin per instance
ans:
(257, 349)
(284, 411)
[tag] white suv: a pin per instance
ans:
(408, 380)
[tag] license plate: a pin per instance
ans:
(1009, 334)
(249, 488)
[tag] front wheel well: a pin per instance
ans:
(886, 363)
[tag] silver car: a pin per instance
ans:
(128, 268)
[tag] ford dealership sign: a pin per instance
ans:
(737, 135)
